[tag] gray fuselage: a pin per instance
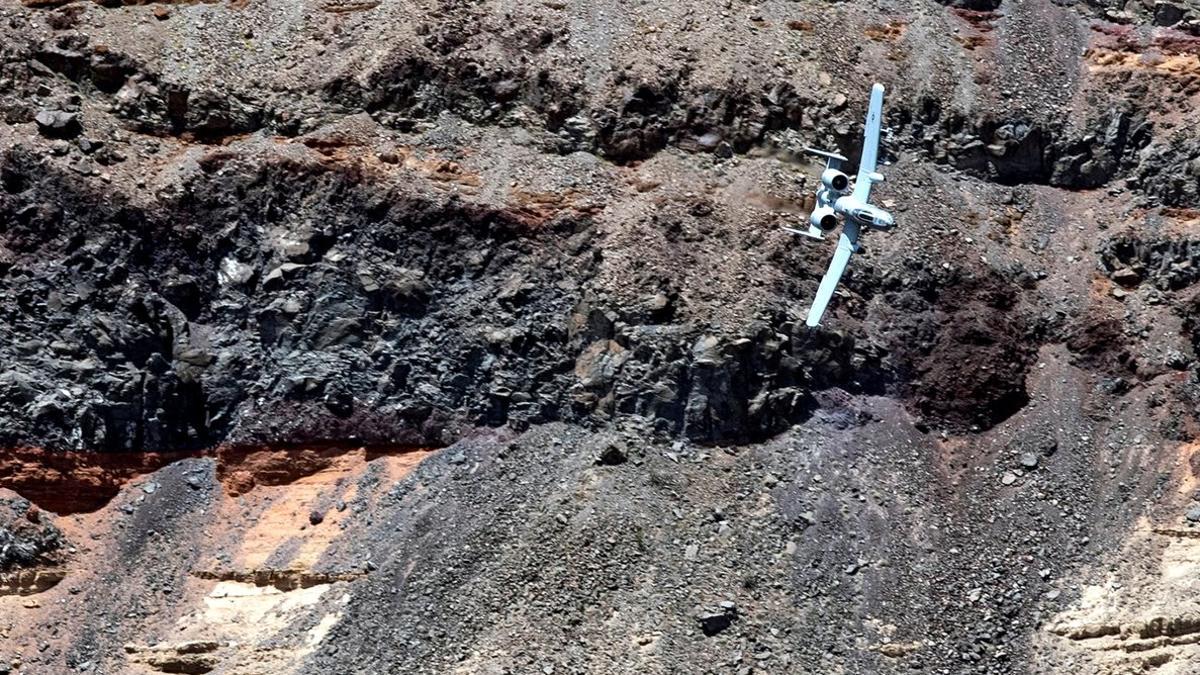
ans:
(863, 214)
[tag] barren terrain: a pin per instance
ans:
(462, 336)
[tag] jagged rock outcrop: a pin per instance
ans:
(27, 536)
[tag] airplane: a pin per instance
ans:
(837, 201)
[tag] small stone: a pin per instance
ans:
(1029, 460)
(1193, 514)
(612, 456)
(657, 304)
(1008, 478)
(279, 276)
(1167, 13)
(1126, 276)
(714, 620)
(708, 141)
(316, 517)
(88, 146)
(233, 271)
(58, 124)
(1176, 360)
(341, 331)
(161, 13)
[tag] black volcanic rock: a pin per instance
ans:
(58, 124)
(27, 536)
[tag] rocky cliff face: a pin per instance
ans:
(259, 259)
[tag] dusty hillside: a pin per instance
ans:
(462, 337)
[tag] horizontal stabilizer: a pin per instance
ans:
(814, 232)
(832, 159)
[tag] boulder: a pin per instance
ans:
(58, 124)
(713, 620)
(1167, 13)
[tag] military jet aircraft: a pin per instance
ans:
(837, 201)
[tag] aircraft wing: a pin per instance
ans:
(870, 152)
(847, 244)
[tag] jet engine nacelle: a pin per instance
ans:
(824, 218)
(835, 180)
